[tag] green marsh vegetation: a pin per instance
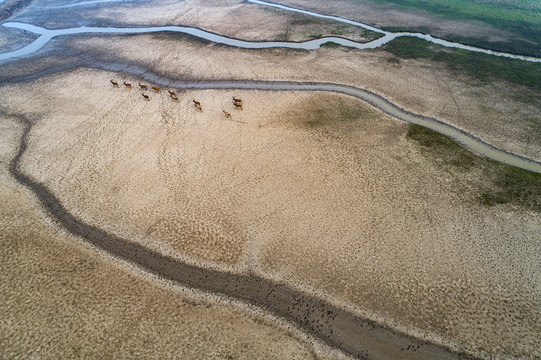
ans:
(522, 18)
(481, 67)
(332, 112)
(333, 45)
(177, 36)
(490, 183)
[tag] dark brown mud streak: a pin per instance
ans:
(334, 326)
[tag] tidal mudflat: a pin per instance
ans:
(325, 201)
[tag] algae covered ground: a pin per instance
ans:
(520, 18)
(490, 182)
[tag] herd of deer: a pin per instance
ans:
(237, 102)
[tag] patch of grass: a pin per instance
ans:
(482, 67)
(176, 36)
(306, 20)
(371, 35)
(410, 48)
(522, 18)
(534, 124)
(333, 45)
(334, 112)
(513, 185)
(495, 183)
(514, 46)
(330, 44)
(418, 29)
(446, 149)
(282, 37)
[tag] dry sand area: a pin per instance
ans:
(62, 299)
(317, 190)
(494, 112)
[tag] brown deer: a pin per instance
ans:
(237, 100)
(128, 85)
(238, 106)
(198, 108)
(155, 88)
(143, 87)
(197, 103)
(115, 84)
(227, 115)
(174, 97)
(147, 98)
(172, 93)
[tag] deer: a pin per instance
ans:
(147, 98)
(115, 84)
(172, 93)
(238, 106)
(128, 85)
(237, 100)
(198, 108)
(155, 88)
(197, 103)
(227, 115)
(143, 87)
